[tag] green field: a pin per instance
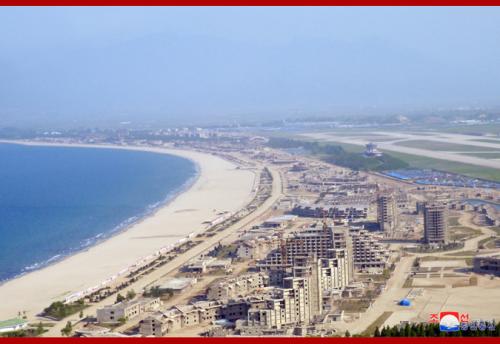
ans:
(474, 171)
(415, 161)
(444, 146)
(492, 155)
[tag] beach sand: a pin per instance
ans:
(219, 187)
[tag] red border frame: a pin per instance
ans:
(252, 340)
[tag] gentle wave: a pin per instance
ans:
(123, 226)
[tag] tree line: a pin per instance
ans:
(432, 330)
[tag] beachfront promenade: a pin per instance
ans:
(229, 234)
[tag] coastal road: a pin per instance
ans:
(182, 259)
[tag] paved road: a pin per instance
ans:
(182, 259)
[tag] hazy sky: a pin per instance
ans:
(84, 64)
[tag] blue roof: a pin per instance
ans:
(404, 302)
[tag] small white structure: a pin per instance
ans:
(279, 221)
(177, 285)
(14, 324)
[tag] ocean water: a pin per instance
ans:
(58, 200)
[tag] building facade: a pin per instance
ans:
(435, 223)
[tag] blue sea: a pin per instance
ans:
(55, 201)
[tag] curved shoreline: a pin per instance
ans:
(123, 226)
(219, 186)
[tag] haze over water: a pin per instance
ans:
(57, 200)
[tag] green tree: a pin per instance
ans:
(347, 333)
(383, 333)
(119, 298)
(39, 329)
(66, 331)
(81, 314)
(407, 330)
(377, 332)
(130, 294)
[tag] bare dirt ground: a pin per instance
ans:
(446, 287)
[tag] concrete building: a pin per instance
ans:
(487, 264)
(367, 252)
(318, 241)
(335, 272)
(386, 214)
(237, 287)
(339, 211)
(126, 310)
(435, 223)
(321, 246)
(254, 249)
(155, 325)
(206, 264)
(291, 305)
(203, 312)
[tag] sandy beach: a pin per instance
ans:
(220, 186)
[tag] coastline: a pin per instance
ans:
(218, 186)
(111, 232)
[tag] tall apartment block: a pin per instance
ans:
(435, 223)
(386, 213)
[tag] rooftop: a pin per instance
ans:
(282, 218)
(176, 283)
(12, 322)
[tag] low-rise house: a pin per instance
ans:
(203, 312)
(255, 249)
(204, 264)
(126, 310)
(487, 264)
